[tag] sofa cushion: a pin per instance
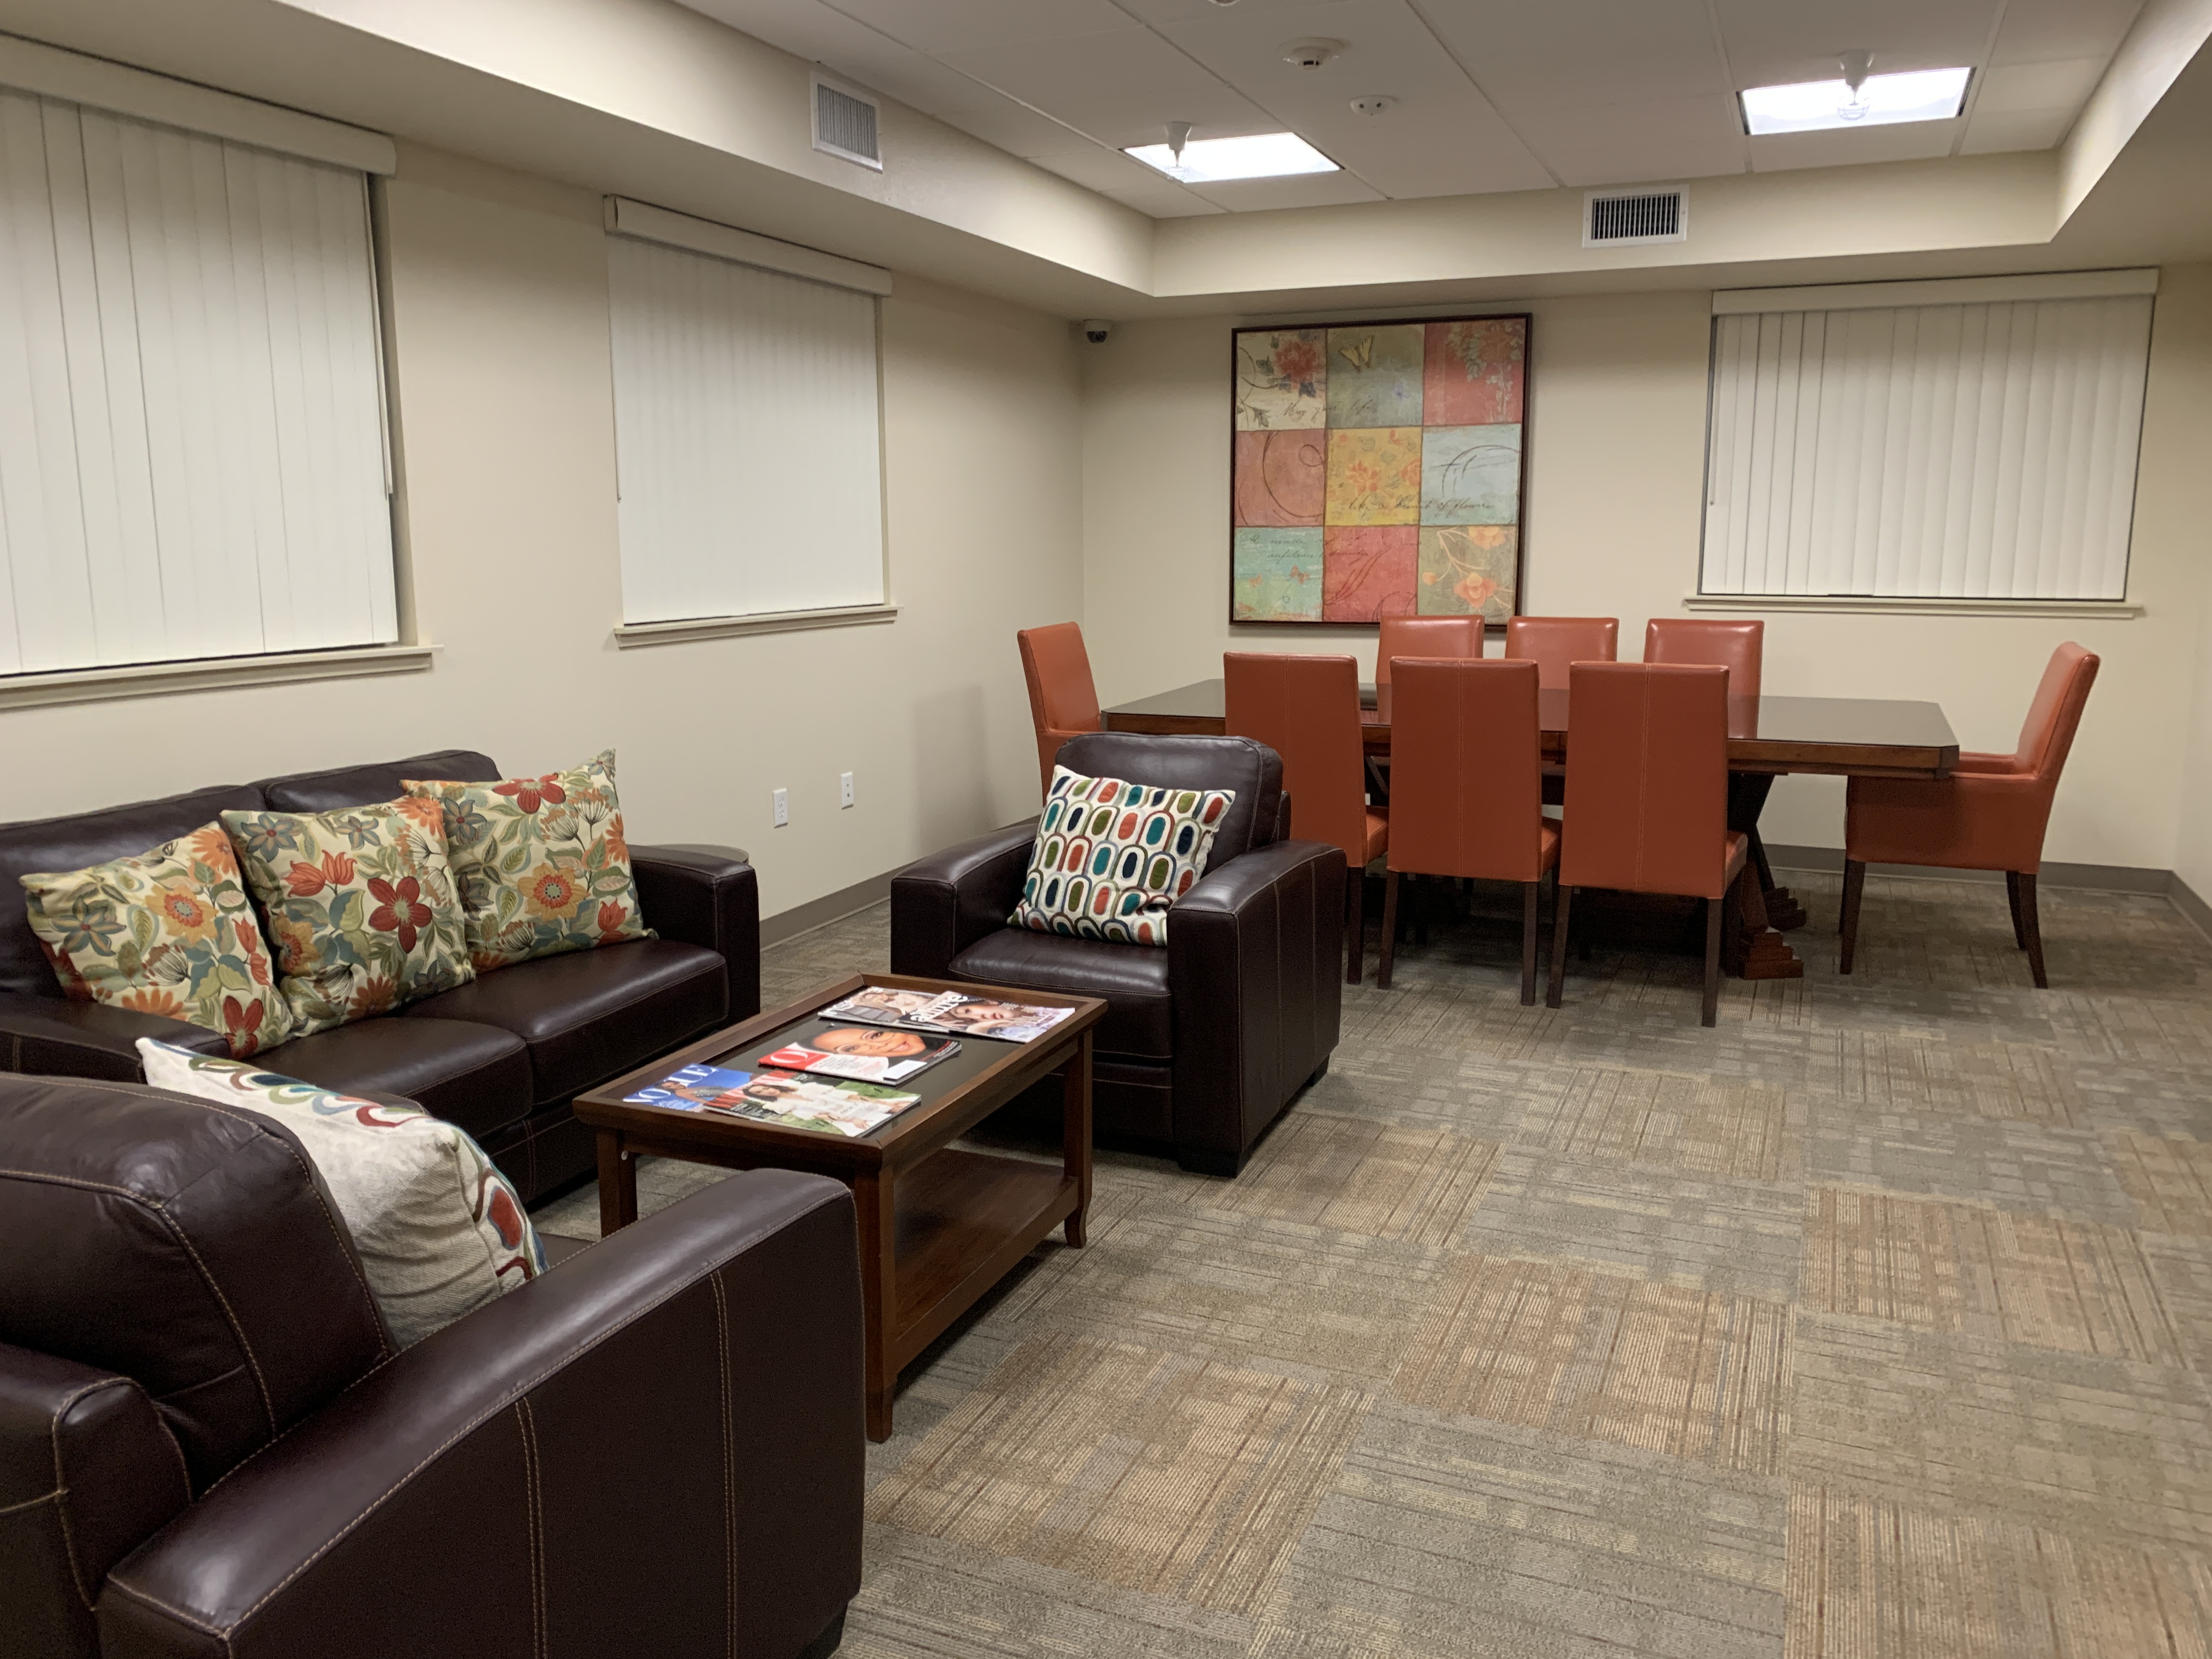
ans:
(475, 1076)
(190, 1246)
(1252, 770)
(592, 1015)
(1112, 857)
(1132, 978)
(380, 781)
(81, 839)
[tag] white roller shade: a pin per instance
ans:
(748, 438)
(1984, 449)
(191, 430)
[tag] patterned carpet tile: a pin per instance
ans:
(1738, 1236)
(1360, 1177)
(2104, 1029)
(2170, 1179)
(2017, 1165)
(1134, 1467)
(1872, 1576)
(2047, 1280)
(1603, 1357)
(1657, 1121)
(2140, 1099)
(2100, 1448)
(1444, 1538)
(1927, 1074)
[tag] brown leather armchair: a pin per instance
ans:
(1205, 1042)
(209, 1448)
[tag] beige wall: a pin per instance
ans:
(499, 320)
(1616, 456)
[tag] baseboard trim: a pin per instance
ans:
(830, 907)
(2186, 901)
(2095, 877)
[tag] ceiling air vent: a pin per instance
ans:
(845, 125)
(1611, 217)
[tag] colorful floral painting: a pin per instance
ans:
(1378, 470)
(543, 863)
(169, 932)
(362, 904)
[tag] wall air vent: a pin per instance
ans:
(845, 125)
(1611, 217)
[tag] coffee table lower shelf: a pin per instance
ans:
(964, 1220)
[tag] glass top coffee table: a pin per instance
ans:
(939, 1224)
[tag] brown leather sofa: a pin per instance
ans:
(1204, 1042)
(208, 1448)
(501, 1057)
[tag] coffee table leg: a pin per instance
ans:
(1075, 1134)
(617, 1184)
(873, 1195)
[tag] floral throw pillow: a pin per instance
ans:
(169, 932)
(543, 864)
(1111, 857)
(360, 905)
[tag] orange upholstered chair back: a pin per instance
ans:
(1553, 642)
(1466, 769)
(1425, 636)
(1307, 710)
(1734, 646)
(1646, 778)
(2047, 735)
(1063, 702)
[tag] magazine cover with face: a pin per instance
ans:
(950, 1011)
(797, 1102)
(873, 1053)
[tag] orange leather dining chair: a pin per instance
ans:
(1063, 702)
(1468, 800)
(1737, 646)
(1647, 795)
(1990, 814)
(1553, 642)
(1307, 710)
(1425, 636)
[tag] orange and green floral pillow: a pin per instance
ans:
(361, 903)
(168, 931)
(542, 862)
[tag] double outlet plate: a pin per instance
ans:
(781, 799)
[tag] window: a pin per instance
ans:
(192, 457)
(748, 437)
(1971, 440)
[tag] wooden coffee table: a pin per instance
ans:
(939, 1226)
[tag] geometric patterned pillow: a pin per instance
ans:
(1110, 857)
(361, 905)
(543, 864)
(169, 932)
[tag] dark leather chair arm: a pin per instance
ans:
(87, 1470)
(708, 897)
(1255, 968)
(57, 1037)
(655, 1448)
(943, 904)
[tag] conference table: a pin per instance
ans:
(1769, 737)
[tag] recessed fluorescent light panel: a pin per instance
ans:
(1215, 161)
(1882, 101)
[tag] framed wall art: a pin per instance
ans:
(1379, 469)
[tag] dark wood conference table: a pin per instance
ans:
(1769, 737)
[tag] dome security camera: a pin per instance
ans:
(1097, 329)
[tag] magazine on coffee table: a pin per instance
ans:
(870, 1053)
(954, 1011)
(797, 1102)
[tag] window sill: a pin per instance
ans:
(630, 635)
(2117, 609)
(161, 679)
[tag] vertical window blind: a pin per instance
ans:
(1981, 445)
(192, 457)
(748, 437)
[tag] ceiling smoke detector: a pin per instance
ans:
(1373, 104)
(1310, 53)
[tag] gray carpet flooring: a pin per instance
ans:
(1877, 1320)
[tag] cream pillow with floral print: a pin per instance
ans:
(542, 862)
(362, 906)
(169, 932)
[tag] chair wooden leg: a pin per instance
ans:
(1531, 893)
(2012, 898)
(1854, 889)
(2031, 927)
(1563, 905)
(1355, 929)
(1710, 1014)
(1389, 929)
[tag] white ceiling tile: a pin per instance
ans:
(1161, 13)
(805, 29)
(1776, 42)
(1638, 143)
(1014, 129)
(1172, 202)
(1099, 169)
(2035, 30)
(1428, 148)
(935, 26)
(2028, 129)
(2057, 83)
(1120, 87)
(1308, 190)
(1565, 53)
(912, 78)
(1916, 140)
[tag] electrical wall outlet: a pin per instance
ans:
(782, 799)
(844, 789)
